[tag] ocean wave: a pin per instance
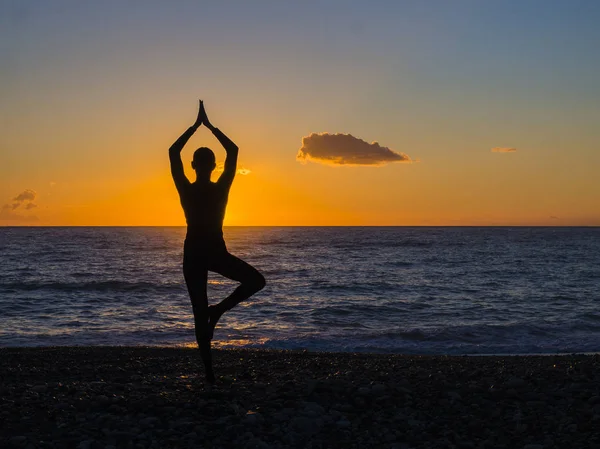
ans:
(94, 286)
(406, 243)
(356, 287)
(412, 290)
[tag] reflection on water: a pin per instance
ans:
(240, 342)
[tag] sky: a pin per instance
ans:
(468, 113)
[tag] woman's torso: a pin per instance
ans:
(204, 206)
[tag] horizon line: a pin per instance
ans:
(309, 226)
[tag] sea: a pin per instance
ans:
(407, 290)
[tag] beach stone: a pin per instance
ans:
(466, 445)
(515, 382)
(252, 418)
(150, 421)
(343, 423)
(257, 443)
(312, 408)
(181, 423)
(364, 391)
(405, 390)
(18, 441)
(511, 393)
(85, 444)
(389, 437)
(454, 395)
(102, 399)
(303, 425)
(310, 387)
(414, 423)
(539, 404)
(223, 420)
(378, 390)
(237, 409)
(400, 446)
(280, 417)
(358, 401)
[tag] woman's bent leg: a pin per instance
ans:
(251, 282)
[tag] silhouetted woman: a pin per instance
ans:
(204, 203)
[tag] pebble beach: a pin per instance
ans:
(143, 397)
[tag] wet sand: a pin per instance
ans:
(134, 397)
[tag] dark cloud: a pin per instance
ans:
(25, 199)
(25, 195)
(504, 150)
(345, 149)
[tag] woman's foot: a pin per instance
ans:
(214, 313)
(210, 377)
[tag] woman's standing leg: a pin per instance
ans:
(196, 278)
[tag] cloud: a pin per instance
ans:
(504, 150)
(240, 171)
(345, 149)
(7, 214)
(26, 195)
(25, 199)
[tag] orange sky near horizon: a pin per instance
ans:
(136, 190)
(93, 98)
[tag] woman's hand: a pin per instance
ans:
(203, 117)
(201, 114)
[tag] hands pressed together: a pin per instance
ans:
(202, 118)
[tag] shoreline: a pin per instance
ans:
(132, 396)
(219, 347)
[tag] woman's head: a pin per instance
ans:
(204, 160)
